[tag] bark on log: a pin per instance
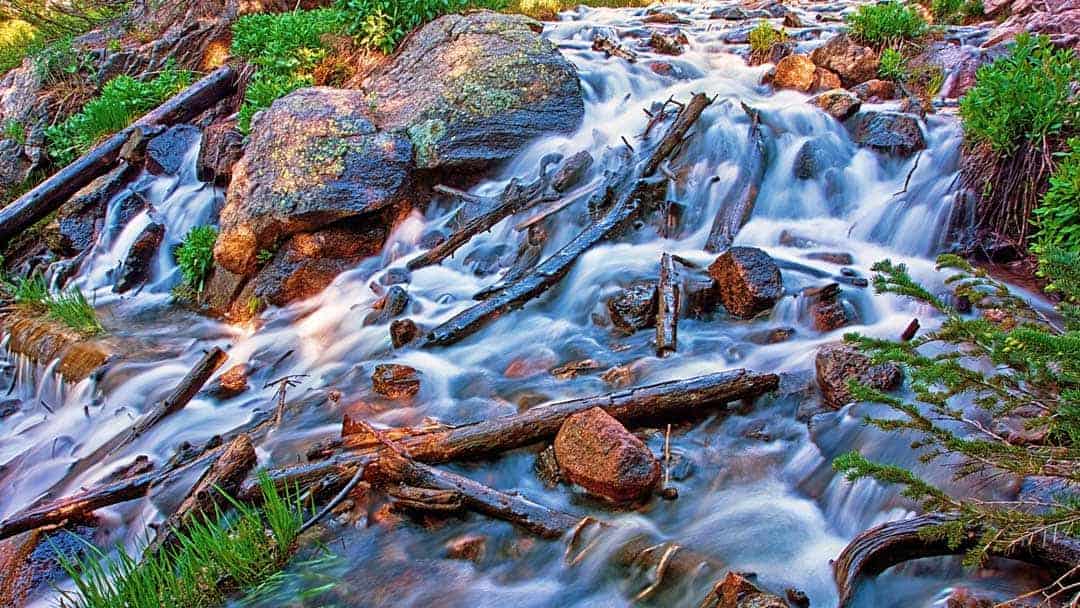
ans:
(31, 207)
(514, 198)
(543, 277)
(667, 311)
(81, 504)
(739, 205)
(678, 130)
(225, 475)
(662, 401)
(891, 543)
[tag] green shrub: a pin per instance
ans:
(55, 20)
(58, 60)
(122, 100)
(549, 9)
(263, 89)
(16, 37)
(72, 309)
(764, 36)
(1058, 215)
(1026, 95)
(195, 256)
(213, 558)
(892, 65)
(955, 11)
(15, 131)
(381, 24)
(887, 24)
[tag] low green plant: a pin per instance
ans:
(58, 60)
(1058, 214)
(892, 65)
(122, 100)
(195, 256)
(381, 24)
(73, 309)
(58, 19)
(16, 38)
(549, 9)
(1032, 370)
(887, 24)
(15, 131)
(764, 36)
(29, 291)
(1026, 95)
(955, 11)
(263, 89)
(214, 558)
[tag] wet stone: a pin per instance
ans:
(837, 103)
(165, 153)
(403, 331)
(470, 547)
(832, 257)
(835, 364)
(771, 336)
(634, 307)
(230, 384)
(596, 452)
(892, 132)
(546, 467)
(9, 407)
(135, 269)
(395, 381)
(749, 281)
(852, 62)
(389, 306)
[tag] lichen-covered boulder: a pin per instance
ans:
(852, 62)
(24, 114)
(596, 452)
(315, 157)
(474, 89)
(748, 280)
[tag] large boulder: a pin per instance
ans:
(838, 363)
(853, 63)
(893, 132)
(748, 279)
(315, 157)
(474, 89)
(799, 73)
(596, 452)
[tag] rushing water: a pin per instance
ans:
(756, 491)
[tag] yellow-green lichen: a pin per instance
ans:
(425, 137)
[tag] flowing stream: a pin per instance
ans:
(756, 490)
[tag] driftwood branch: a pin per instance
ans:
(610, 48)
(667, 310)
(895, 542)
(33, 206)
(675, 134)
(740, 202)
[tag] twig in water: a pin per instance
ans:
(628, 144)
(907, 182)
(283, 386)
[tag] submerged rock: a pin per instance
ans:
(78, 220)
(221, 149)
(736, 591)
(748, 279)
(853, 63)
(136, 267)
(892, 132)
(230, 384)
(314, 158)
(827, 309)
(596, 452)
(471, 90)
(634, 307)
(838, 363)
(395, 381)
(165, 153)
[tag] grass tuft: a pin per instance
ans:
(122, 100)
(892, 66)
(214, 558)
(195, 256)
(70, 307)
(763, 37)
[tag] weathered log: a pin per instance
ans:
(667, 311)
(662, 401)
(83, 503)
(224, 476)
(611, 48)
(891, 543)
(514, 198)
(739, 205)
(39, 202)
(675, 134)
(544, 276)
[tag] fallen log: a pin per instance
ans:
(625, 208)
(83, 503)
(39, 202)
(891, 543)
(678, 130)
(736, 209)
(667, 310)
(513, 199)
(610, 48)
(662, 401)
(222, 478)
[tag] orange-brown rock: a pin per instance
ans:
(837, 103)
(748, 280)
(737, 592)
(852, 62)
(395, 381)
(230, 384)
(44, 341)
(838, 363)
(596, 452)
